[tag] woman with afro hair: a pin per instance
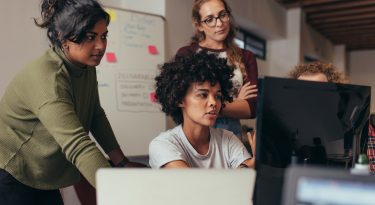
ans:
(193, 90)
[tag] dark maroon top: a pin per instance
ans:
(250, 67)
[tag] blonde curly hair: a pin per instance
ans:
(328, 69)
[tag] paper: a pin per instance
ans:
(153, 97)
(111, 57)
(112, 14)
(153, 50)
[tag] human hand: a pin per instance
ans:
(251, 137)
(247, 91)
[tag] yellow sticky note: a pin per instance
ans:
(112, 14)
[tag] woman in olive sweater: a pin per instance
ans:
(50, 107)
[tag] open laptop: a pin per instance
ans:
(323, 186)
(117, 186)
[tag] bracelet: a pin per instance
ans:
(123, 162)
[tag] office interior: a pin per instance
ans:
(288, 37)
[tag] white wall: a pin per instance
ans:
(362, 70)
(262, 17)
(20, 39)
(156, 7)
(315, 45)
(285, 53)
(340, 58)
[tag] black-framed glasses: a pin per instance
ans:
(211, 20)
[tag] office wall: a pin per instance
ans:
(315, 45)
(285, 53)
(362, 70)
(20, 39)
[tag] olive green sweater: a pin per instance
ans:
(46, 114)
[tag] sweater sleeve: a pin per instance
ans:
(102, 130)
(75, 143)
(252, 77)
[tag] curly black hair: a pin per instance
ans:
(176, 77)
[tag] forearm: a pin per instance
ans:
(250, 163)
(176, 164)
(116, 156)
(238, 109)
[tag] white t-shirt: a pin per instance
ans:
(225, 150)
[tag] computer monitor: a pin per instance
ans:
(305, 122)
(322, 185)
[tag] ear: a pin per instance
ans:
(181, 104)
(65, 45)
(198, 26)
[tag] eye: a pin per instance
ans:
(209, 20)
(202, 95)
(90, 37)
(105, 36)
(223, 15)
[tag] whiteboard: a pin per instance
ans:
(126, 78)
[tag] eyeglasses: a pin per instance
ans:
(211, 21)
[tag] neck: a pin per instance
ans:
(199, 137)
(212, 44)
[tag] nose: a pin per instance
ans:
(101, 44)
(219, 22)
(212, 101)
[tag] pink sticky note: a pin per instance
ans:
(153, 50)
(111, 57)
(153, 97)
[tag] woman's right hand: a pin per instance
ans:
(247, 91)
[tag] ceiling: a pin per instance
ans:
(349, 22)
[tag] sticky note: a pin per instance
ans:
(153, 97)
(112, 14)
(111, 57)
(153, 50)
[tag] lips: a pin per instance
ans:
(213, 112)
(98, 56)
(220, 32)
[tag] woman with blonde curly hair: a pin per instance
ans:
(318, 71)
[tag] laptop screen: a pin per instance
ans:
(320, 191)
(327, 186)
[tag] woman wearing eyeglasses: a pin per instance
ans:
(215, 32)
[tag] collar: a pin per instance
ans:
(73, 69)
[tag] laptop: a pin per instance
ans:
(322, 185)
(117, 186)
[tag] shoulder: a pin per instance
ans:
(247, 55)
(223, 135)
(47, 64)
(171, 136)
(187, 50)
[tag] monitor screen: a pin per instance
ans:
(326, 186)
(305, 122)
(321, 191)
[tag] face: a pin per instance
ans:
(319, 77)
(208, 12)
(201, 104)
(91, 50)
